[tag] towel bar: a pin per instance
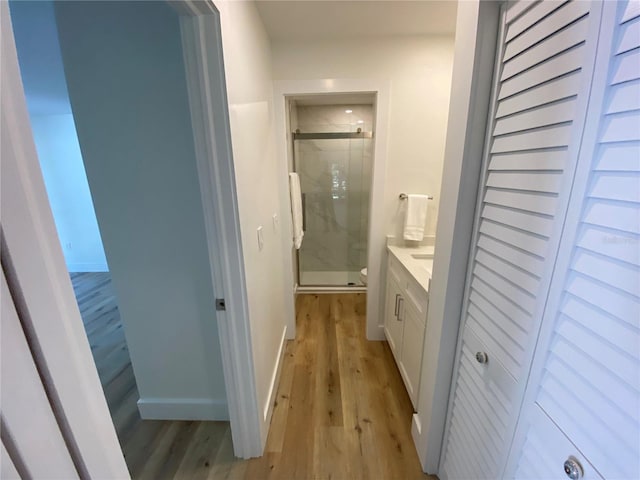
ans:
(403, 196)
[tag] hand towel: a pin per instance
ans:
(415, 216)
(296, 209)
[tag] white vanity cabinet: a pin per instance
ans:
(404, 323)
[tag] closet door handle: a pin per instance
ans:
(400, 309)
(395, 309)
(482, 357)
(573, 469)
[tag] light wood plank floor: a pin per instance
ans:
(341, 411)
(152, 449)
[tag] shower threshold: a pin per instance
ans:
(330, 281)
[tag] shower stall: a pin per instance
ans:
(332, 154)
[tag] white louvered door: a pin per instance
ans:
(586, 375)
(543, 78)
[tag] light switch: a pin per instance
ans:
(275, 222)
(260, 238)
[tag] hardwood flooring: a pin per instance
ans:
(152, 449)
(341, 411)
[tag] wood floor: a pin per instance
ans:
(152, 449)
(341, 410)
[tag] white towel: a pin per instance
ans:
(415, 216)
(296, 209)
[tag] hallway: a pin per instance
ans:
(341, 412)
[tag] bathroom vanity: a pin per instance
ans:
(405, 314)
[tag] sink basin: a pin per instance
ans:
(422, 256)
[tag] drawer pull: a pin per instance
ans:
(395, 310)
(573, 469)
(400, 309)
(482, 357)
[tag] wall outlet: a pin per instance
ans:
(67, 246)
(276, 222)
(260, 239)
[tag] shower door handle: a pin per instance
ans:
(304, 212)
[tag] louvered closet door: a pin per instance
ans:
(546, 57)
(586, 376)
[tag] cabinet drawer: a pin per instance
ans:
(546, 449)
(412, 290)
(395, 270)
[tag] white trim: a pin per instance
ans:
(476, 32)
(36, 270)
(275, 379)
(321, 290)
(183, 409)
(202, 44)
(377, 239)
(87, 267)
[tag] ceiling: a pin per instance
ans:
(331, 19)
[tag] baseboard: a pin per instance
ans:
(275, 379)
(87, 267)
(378, 334)
(183, 409)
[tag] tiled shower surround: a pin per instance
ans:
(335, 176)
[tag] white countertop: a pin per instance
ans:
(419, 268)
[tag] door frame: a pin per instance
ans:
(376, 236)
(200, 28)
(474, 56)
(37, 274)
(41, 288)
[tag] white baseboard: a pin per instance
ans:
(378, 334)
(183, 409)
(275, 380)
(87, 267)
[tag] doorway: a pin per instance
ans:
(186, 290)
(333, 155)
(72, 206)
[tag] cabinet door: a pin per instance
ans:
(392, 324)
(542, 80)
(412, 343)
(586, 373)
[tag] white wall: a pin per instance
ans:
(419, 69)
(250, 95)
(42, 74)
(68, 191)
(126, 81)
(475, 47)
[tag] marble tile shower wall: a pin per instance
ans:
(335, 176)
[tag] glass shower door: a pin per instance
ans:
(335, 178)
